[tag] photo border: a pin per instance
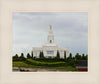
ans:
(9, 6)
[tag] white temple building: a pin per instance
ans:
(50, 48)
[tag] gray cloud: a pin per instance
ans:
(31, 30)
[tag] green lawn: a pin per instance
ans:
(25, 64)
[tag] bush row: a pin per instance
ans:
(37, 63)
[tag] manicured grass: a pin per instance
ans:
(23, 64)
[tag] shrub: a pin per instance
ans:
(37, 63)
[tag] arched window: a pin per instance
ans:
(50, 41)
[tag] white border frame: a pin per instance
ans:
(9, 6)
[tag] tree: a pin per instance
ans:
(41, 55)
(32, 54)
(28, 56)
(77, 56)
(64, 54)
(58, 55)
(22, 55)
(86, 57)
(70, 60)
(22, 58)
(70, 56)
(16, 58)
(83, 57)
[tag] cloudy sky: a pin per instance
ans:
(31, 30)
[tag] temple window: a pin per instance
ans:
(50, 52)
(50, 41)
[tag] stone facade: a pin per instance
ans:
(50, 49)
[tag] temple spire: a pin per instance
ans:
(50, 27)
(50, 36)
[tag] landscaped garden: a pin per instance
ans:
(67, 64)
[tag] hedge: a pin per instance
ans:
(37, 63)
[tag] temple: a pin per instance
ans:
(50, 48)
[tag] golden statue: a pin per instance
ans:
(50, 27)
